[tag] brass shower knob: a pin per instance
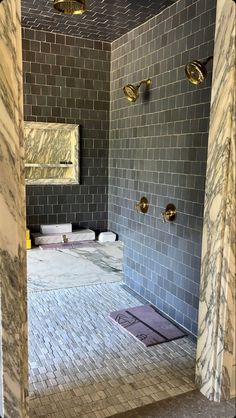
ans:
(142, 205)
(169, 214)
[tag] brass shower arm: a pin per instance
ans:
(131, 91)
(207, 60)
(147, 82)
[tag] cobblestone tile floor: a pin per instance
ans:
(84, 365)
(188, 405)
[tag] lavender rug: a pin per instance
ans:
(147, 325)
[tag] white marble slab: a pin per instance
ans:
(51, 153)
(13, 303)
(55, 229)
(57, 269)
(216, 334)
(81, 235)
(108, 256)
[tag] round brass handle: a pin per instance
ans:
(142, 205)
(169, 214)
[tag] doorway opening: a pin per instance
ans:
(81, 363)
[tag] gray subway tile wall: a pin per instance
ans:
(158, 148)
(67, 80)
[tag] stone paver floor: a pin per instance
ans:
(84, 365)
(188, 405)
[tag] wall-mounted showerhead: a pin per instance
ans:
(196, 71)
(132, 92)
(70, 7)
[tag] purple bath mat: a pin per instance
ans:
(147, 325)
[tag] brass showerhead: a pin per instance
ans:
(196, 71)
(70, 7)
(132, 92)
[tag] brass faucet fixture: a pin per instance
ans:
(132, 92)
(169, 214)
(142, 205)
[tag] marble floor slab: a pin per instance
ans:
(73, 267)
(108, 256)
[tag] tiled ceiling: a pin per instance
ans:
(104, 20)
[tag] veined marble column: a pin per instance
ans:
(216, 338)
(14, 362)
